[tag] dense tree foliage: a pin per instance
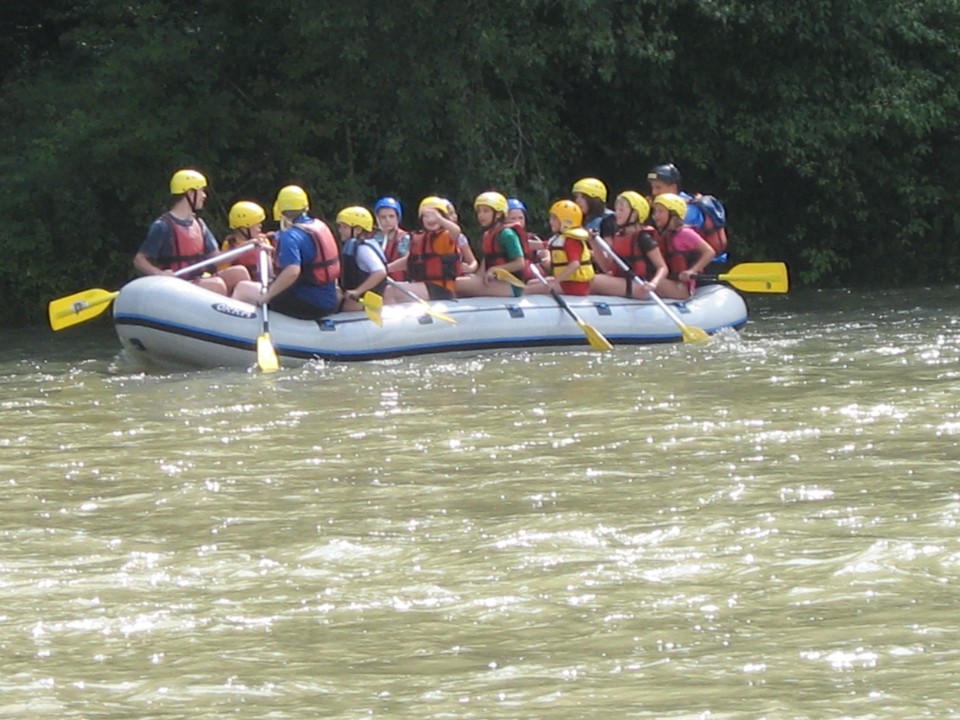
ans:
(829, 128)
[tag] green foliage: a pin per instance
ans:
(827, 127)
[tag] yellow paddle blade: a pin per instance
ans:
(267, 359)
(79, 307)
(597, 339)
(372, 306)
(694, 334)
(508, 277)
(769, 277)
(439, 315)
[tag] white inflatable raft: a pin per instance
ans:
(165, 322)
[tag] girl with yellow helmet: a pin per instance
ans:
(637, 244)
(684, 250)
(590, 195)
(567, 254)
(364, 265)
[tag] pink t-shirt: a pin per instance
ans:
(686, 239)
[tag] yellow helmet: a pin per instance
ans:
(437, 203)
(184, 180)
(493, 200)
(246, 214)
(568, 213)
(591, 187)
(638, 202)
(291, 197)
(356, 216)
(672, 202)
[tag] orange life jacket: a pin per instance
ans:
(325, 266)
(435, 258)
(188, 244)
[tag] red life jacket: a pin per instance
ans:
(492, 250)
(392, 252)
(325, 266)
(188, 244)
(425, 264)
(716, 237)
(677, 260)
(627, 246)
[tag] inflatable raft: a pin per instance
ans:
(165, 322)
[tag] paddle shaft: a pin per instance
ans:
(264, 267)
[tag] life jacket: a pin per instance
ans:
(627, 247)
(492, 250)
(250, 259)
(391, 251)
(677, 261)
(714, 229)
(325, 266)
(434, 257)
(559, 259)
(352, 276)
(188, 244)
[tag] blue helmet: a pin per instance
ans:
(516, 204)
(388, 202)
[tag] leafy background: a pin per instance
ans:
(829, 128)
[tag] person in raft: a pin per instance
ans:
(666, 179)
(246, 221)
(567, 254)
(179, 238)
(590, 195)
(390, 236)
(364, 265)
(684, 250)
(517, 214)
(434, 261)
(637, 244)
(308, 261)
(504, 245)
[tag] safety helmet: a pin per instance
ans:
(493, 200)
(672, 202)
(591, 187)
(291, 197)
(516, 204)
(246, 214)
(356, 216)
(638, 202)
(184, 180)
(665, 173)
(437, 203)
(388, 202)
(568, 213)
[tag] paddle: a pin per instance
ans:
(88, 304)
(595, 337)
(267, 359)
(426, 306)
(689, 332)
(372, 305)
(508, 277)
(762, 277)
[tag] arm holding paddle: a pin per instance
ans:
(88, 304)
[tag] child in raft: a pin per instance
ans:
(567, 255)
(363, 264)
(503, 245)
(684, 249)
(434, 261)
(634, 242)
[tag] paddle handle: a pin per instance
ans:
(263, 262)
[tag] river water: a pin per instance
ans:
(765, 527)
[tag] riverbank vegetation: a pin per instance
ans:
(829, 128)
